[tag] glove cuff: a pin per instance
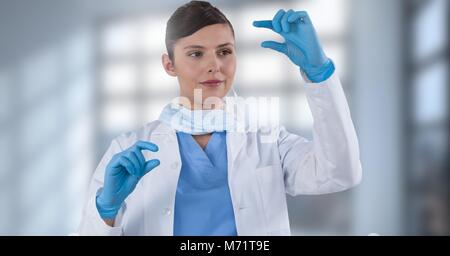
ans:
(322, 73)
(106, 212)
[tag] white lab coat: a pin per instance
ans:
(259, 173)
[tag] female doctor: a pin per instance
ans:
(183, 175)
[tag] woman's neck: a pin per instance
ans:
(202, 140)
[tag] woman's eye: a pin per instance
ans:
(225, 52)
(195, 54)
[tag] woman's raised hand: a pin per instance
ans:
(301, 43)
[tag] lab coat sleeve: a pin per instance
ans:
(92, 223)
(330, 162)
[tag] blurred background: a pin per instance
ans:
(76, 73)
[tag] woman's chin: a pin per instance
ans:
(217, 92)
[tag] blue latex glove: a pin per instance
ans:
(122, 174)
(301, 43)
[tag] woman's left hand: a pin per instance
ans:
(301, 43)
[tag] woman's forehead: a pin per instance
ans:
(212, 36)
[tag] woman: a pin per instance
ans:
(185, 175)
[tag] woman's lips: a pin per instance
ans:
(212, 83)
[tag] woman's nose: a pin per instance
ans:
(214, 65)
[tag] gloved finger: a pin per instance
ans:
(128, 186)
(150, 165)
(279, 47)
(284, 21)
(135, 161)
(302, 15)
(263, 24)
(139, 156)
(115, 161)
(276, 20)
(145, 145)
(128, 165)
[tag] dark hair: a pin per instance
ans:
(190, 18)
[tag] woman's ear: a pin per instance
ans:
(168, 65)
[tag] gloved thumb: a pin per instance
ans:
(150, 165)
(279, 47)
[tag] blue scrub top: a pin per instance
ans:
(203, 203)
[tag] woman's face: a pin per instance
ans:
(205, 60)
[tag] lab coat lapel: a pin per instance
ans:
(235, 141)
(237, 178)
(161, 183)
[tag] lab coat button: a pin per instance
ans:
(167, 211)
